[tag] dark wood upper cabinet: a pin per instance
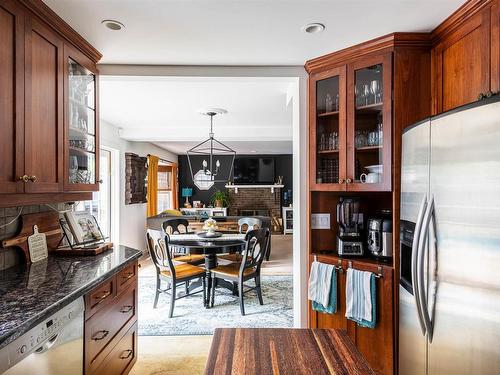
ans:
(48, 108)
(43, 109)
(12, 97)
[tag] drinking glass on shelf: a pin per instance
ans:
(337, 102)
(372, 138)
(322, 142)
(328, 103)
(375, 90)
(73, 168)
(380, 134)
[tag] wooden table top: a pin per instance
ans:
(284, 351)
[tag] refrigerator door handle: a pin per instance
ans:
(424, 234)
(434, 280)
(414, 259)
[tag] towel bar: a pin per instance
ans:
(338, 268)
(378, 275)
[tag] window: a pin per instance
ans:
(165, 188)
(100, 205)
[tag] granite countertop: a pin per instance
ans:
(30, 294)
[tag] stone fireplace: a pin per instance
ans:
(255, 202)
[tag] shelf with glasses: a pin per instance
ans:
(328, 114)
(369, 148)
(80, 151)
(327, 152)
(370, 108)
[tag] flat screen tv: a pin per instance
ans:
(253, 170)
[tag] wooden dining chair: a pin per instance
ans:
(257, 241)
(168, 269)
(180, 226)
(245, 224)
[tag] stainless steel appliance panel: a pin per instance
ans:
(465, 186)
(414, 189)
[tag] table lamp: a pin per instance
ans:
(187, 192)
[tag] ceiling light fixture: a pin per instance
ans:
(113, 24)
(313, 28)
(209, 150)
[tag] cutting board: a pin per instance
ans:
(47, 222)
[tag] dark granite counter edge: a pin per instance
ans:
(44, 314)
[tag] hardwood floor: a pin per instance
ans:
(166, 355)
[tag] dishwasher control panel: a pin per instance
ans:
(40, 337)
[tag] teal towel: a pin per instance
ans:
(332, 302)
(373, 293)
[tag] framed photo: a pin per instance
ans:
(83, 226)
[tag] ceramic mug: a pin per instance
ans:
(370, 178)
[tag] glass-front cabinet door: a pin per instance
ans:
(327, 157)
(369, 125)
(81, 136)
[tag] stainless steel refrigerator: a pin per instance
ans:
(449, 292)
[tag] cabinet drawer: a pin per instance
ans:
(126, 277)
(100, 296)
(107, 322)
(123, 355)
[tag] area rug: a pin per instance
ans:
(191, 318)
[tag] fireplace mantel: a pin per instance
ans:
(272, 187)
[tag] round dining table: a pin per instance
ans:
(191, 243)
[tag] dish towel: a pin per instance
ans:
(323, 287)
(361, 298)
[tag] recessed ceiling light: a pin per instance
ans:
(313, 28)
(253, 151)
(113, 25)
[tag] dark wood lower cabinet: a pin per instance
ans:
(110, 334)
(377, 344)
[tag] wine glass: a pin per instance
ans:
(366, 93)
(375, 90)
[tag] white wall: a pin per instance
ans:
(131, 225)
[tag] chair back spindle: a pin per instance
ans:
(257, 242)
(160, 251)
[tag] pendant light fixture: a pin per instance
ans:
(208, 159)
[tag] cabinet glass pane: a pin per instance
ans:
(327, 130)
(82, 145)
(368, 125)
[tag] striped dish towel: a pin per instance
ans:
(360, 298)
(331, 307)
(320, 282)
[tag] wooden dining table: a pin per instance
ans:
(209, 247)
(284, 351)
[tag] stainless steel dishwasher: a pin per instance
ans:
(53, 347)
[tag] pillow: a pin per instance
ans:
(172, 212)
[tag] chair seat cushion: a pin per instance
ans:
(185, 270)
(190, 258)
(236, 257)
(231, 270)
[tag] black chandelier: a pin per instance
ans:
(209, 151)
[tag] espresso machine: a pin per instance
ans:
(350, 222)
(379, 236)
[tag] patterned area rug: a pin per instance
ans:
(191, 318)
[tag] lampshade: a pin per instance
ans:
(187, 192)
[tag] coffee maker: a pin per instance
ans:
(379, 236)
(350, 222)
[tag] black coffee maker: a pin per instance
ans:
(350, 222)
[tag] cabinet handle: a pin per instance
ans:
(126, 309)
(127, 276)
(348, 180)
(32, 178)
(126, 354)
(341, 181)
(100, 335)
(103, 297)
(25, 178)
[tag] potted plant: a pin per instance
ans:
(220, 199)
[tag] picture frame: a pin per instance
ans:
(83, 227)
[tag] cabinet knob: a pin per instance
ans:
(100, 181)
(348, 180)
(25, 178)
(32, 178)
(341, 181)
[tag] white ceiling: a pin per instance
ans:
(165, 111)
(240, 32)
